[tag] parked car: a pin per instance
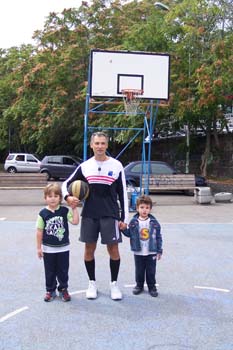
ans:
(133, 172)
(59, 167)
(22, 163)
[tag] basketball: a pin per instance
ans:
(79, 189)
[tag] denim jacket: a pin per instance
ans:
(155, 237)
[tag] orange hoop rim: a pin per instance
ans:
(131, 98)
(131, 93)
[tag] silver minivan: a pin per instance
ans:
(22, 163)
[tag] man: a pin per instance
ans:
(101, 213)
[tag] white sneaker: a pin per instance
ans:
(91, 292)
(115, 291)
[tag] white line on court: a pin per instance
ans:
(213, 288)
(197, 287)
(13, 313)
(133, 285)
(196, 224)
(129, 285)
(78, 292)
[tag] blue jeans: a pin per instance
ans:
(145, 267)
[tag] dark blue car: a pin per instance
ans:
(133, 172)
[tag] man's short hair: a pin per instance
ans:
(99, 134)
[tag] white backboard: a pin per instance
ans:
(112, 71)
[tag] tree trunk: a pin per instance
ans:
(206, 157)
(216, 138)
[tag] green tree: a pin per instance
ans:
(12, 63)
(201, 73)
(49, 101)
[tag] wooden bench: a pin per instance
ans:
(177, 182)
(22, 181)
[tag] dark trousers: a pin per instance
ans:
(56, 270)
(145, 267)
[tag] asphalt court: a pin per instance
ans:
(195, 304)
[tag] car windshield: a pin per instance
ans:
(137, 168)
(156, 168)
(160, 168)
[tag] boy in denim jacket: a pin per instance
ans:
(146, 243)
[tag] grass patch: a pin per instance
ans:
(226, 181)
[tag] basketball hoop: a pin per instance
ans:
(131, 100)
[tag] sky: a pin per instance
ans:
(20, 18)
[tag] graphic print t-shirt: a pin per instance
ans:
(55, 229)
(144, 237)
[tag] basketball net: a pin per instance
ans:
(131, 100)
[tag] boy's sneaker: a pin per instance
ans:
(64, 295)
(91, 292)
(115, 291)
(153, 292)
(50, 296)
(137, 290)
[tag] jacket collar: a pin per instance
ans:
(150, 216)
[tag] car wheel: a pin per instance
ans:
(48, 176)
(11, 170)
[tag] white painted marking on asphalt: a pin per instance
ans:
(11, 314)
(213, 288)
(129, 285)
(196, 224)
(78, 292)
(133, 285)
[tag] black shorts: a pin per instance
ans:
(106, 226)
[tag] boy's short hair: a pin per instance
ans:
(53, 188)
(144, 199)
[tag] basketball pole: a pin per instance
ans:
(85, 138)
(146, 154)
(149, 146)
